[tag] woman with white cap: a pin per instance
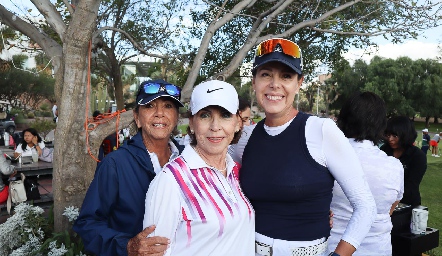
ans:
(196, 200)
(290, 161)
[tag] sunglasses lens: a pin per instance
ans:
(172, 90)
(152, 88)
(274, 45)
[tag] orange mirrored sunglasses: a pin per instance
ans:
(287, 46)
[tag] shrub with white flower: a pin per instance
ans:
(27, 232)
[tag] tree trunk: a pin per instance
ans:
(69, 185)
(117, 82)
(118, 86)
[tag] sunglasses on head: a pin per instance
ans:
(279, 45)
(154, 88)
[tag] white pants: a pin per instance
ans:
(283, 247)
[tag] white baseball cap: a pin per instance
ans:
(214, 93)
(425, 130)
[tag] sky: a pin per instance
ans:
(424, 47)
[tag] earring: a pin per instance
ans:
(192, 132)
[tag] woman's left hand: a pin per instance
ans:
(35, 140)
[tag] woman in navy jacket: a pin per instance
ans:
(111, 218)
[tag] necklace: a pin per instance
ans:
(222, 170)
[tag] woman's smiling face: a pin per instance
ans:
(214, 129)
(276, 86)
(157, 119)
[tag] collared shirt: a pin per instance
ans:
(199, 210)
(156, 163)
(28, 150)
(385, 176)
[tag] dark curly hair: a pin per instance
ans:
(363, 117)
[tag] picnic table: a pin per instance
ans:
(34, 169)
(38, 170)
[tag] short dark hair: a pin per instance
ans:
(243, 104)
(96, 113)
(363, 117)
(403, 127)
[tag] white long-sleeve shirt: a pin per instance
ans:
(330, 148)
(385, 176)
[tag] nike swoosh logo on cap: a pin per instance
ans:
(209, 91)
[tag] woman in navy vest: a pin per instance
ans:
(290, 161)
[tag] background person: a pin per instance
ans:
(425, 141)
(245, 111)
(111, 217)
(206, 212)
(290, 161)
(5, 169)
(400, 135)
(434, 143)
(31, 139)
(363, 120)
(55, 112)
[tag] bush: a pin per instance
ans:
(43, 126)
(43, 113)
(27, 232)
(19, 117)
(45, 107)
(30, 115)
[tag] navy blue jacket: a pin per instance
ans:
(113, 209)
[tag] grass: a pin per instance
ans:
(431, 185)
(431, 192)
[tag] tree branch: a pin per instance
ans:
(49, 46)
(52, 16)
(129, 37)
(69, 6)
(199, 58)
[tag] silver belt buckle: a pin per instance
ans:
(263, 249)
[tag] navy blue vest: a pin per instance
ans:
(289, 190)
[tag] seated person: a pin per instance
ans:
(5, 169)
(31, 139)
